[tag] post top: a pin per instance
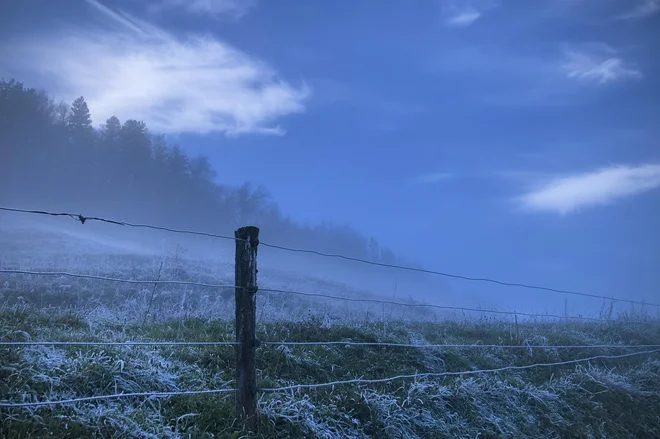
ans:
(248, 232)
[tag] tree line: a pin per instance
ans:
(51, 155)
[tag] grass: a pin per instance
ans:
(599, 399)
(603, 398)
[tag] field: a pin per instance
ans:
(600, 398)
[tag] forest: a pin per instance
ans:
(53, 157)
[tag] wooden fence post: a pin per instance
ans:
(247, 239)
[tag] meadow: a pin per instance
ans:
(530, 396)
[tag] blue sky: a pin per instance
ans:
(511, 139)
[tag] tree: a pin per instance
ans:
(201, 171)
(135, 141)
(60, 113)
(79, 119)
(246, 204)
(159, 150)
(109, 152)
(51, 155)
(111, 131)
(81, 136)
(374, 250)
(177, 163)
(29, 140)
(134, 150)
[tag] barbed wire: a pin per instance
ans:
(83, 219)
(112, 279)
(319, 343)
(119, 343)
(327, 384)
(450, 345)
(447, 307)
(327, 296)
(456, 276)
(113, 396)
(457, 373)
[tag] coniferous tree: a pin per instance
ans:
(79, 119)
(52, 156)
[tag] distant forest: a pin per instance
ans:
(52, 157)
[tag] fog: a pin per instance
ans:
(54, 159)
(457, 205)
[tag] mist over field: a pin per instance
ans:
(457, 202)
(93, 279)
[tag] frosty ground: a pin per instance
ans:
(603, 398)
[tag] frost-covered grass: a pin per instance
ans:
(600, 399)
(603, 398)
(163, 301)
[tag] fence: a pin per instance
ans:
(245, 291)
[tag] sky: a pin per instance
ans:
(511, 139)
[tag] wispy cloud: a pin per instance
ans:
(597, 67)
(513, 79)
(643, 9)
(132, 69)
(464, 17)
(431, 178)
(603, 186)
(213, 8)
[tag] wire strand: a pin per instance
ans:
(456, 276)
(112, 279)
(458, 373)
(119, 343)
(445, 307)
(466, 346)
(318, 385)
(83, 219)
(113, 396)
(320, 343)
(327, 296)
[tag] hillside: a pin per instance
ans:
(616, 398)
(613, 395)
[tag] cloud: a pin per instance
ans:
(431, 178)
(604, 186)
(132, 69)
(463, 13)
(643, 9)
(601, 68)
(214, 8)
(494, 75)
(463, 17)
